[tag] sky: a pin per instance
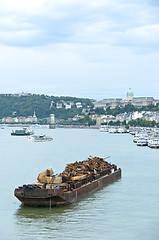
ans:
(87, 48)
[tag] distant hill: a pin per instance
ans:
(43, 105)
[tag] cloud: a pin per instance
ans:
(87, 48)
(64, 69)
(146, 36)
(43, 22)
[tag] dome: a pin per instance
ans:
(130, 91)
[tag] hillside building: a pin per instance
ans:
(78, 105)
(129, 95)
(130, 99)
(68, 105)
(58, 105)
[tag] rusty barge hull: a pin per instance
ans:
(58, 197)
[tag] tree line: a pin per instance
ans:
(127, 109)
(43, 105)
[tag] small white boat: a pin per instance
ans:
(112, 130)
(154, 143)
(132, 132)
(141, 142)
(103, 129)
(140, 136)
(40, 138)
(135, 139)
(121, 130)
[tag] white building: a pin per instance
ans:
(68, 105)
(78, 105)
(129, 95)
(136, 115)
(155, 117)
(7, 120)
(52, 118)
(58, 105)
(130, 99)
(33, 118)
(107, 118)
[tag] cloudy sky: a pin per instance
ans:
(85, 48)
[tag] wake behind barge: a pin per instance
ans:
(63, 192)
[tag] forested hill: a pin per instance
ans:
(19, 105)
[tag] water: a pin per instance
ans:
(126, 209)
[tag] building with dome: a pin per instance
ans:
(129, 95)
(130, 99)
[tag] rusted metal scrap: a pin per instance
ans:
(77, 170)
(46, 176)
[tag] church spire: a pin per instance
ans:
(34, 115)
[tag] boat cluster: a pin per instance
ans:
(113, 129)
(28, 132)
(146, 137)
(142, 136)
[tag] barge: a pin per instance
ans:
(68, 187)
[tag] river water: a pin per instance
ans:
(126, 209)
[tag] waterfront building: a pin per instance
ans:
(98, 121)
(155, 116)
(52, 121)
(122, 117)
(136, 115)
(107, 118)
(7, 120)
(148, 116)
(32, 119)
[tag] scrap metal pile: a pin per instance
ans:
(76, 171)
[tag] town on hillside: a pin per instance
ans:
(112, 111)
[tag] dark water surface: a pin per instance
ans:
(126, 209)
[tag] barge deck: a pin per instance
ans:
(34, 195)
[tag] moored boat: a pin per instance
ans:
(153, 143)
(112, 130)
(121, 130)
(74, 183)
(103, 129)
(141, 142)
(22, 132)
(40, 138)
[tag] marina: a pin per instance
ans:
(141, 136)
(125, 209)
(146, 137)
